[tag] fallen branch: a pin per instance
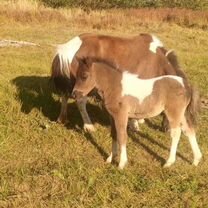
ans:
(15, 43)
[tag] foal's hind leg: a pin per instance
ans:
(190, 133)
(174, 115)
(175, 135)
(88, 126)
(63, 114)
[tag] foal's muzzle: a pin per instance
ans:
(76, 94)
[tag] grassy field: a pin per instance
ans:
(45, 164)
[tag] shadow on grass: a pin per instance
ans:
(91, 139)
(37, 92)
(154, 126)
(150, 151)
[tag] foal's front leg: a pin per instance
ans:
(121, 121)
(81, 103)
(114, 151)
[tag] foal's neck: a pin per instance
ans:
(108, 81)
(107, 77)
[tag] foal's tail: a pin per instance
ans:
(193, 107)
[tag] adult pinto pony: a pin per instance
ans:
(143, 54)
(125, 95)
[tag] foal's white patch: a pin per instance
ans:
(67, 51)
(141, 88)
(123, 157)
(154, 44)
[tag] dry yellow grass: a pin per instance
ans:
(31, 11)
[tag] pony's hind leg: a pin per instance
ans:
(88, 126)
(175, 135)
(63, 113)
(191, 134)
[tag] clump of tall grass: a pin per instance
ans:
(109, 4)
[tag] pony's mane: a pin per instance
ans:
(111, 64)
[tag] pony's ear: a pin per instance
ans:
(77, 59)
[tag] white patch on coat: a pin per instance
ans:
(66, 53)
(141, 88)
(123, 157)
(154, 44)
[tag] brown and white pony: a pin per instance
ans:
(125, 95)
(143, 54)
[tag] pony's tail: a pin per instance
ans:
(172, 58)
(193, 107)
(60, 74)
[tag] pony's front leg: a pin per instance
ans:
(114, 151)
(63, 113)
(121, 121)
(134, 124)
(175, 135)
(81, 103)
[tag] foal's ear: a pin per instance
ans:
(88, 61)
(84, 61)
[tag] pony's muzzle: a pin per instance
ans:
(76, 94)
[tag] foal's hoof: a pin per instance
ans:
(109, 159)
(89, 128)
(122, 165)
(167, 164)
(196, 162)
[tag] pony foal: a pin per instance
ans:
(127, 96)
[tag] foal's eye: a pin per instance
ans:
(84, 77)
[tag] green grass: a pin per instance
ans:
(45, 164)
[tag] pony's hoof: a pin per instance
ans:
(141, 121)
(89, 128)
(165, 127)
(133, 125)
(62, 120)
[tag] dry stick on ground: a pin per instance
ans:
(15, 43)
(204, 102)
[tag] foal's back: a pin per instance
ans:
(152, 96)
